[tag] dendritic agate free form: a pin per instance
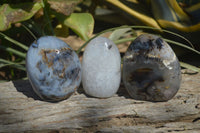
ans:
(151, 70)
(101, 69)
(53, 68)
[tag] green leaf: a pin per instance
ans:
(65, 7)
(81, 23)
(16, 13)
(117, 34)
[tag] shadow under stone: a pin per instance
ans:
(25, 87)
(123, 92)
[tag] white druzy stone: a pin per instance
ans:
(101, 68)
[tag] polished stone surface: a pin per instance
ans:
(53, 68)
(151, 70)
(101, 69)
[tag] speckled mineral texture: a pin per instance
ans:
(151, 70)
(53, 68)
(101, 69)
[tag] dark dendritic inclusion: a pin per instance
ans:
(159, 43)
(53, 68)
(151, 70)
(146, 47)
(144, 78)
(51, 56)
(58, 61)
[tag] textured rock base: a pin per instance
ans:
(22, 111)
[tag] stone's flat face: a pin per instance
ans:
(151, 70)
(101, 68)
(53, 68)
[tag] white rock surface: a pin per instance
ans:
(53, 68)
(101, 68)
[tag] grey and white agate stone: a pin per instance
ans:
(101, 68)
(53, 68)
(151, 70)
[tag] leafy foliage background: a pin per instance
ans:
(23, 21)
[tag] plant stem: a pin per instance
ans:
(180, 44)
(29, 31)
(46, 14)
(188, 66)
(142, 27)
(144, 18)
(14, 41)
(13, 51)
(124, 40)
(12, 64)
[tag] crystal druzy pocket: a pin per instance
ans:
(151, 70)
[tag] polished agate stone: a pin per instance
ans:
(101, 68)
(151, 70)
(53, 68)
